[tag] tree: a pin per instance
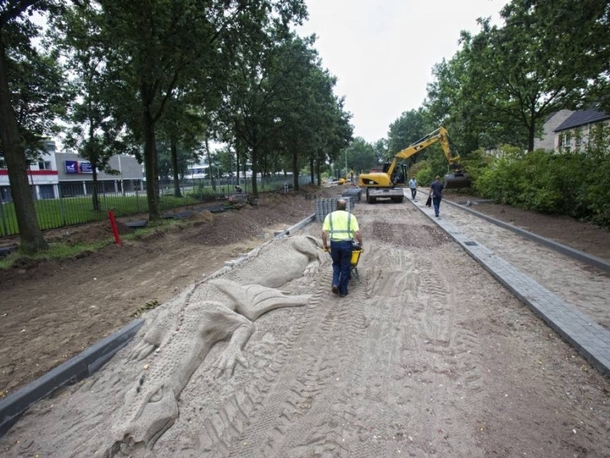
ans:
(574, 37)
(159, 47)
(334, 131)
(291, 75)
(361, 156)
(407, 129)
(183, 130)
(381, 150)
(452, 104)
(16, 30)
(505, 80)
(312, 116)
(261, 90)
(92, 131)
(515, 76)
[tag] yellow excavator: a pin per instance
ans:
(349, 176)
(384, 184)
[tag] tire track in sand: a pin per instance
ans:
(328, 347)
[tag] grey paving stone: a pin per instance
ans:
(589, 338)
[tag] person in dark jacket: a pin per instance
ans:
(436, 191)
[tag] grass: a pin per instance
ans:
(54, 213)
(68, 211)
(55, 251)
(60, 250)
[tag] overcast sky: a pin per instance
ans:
(383, 51)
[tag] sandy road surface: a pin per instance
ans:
(427, 356)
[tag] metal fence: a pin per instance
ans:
(75, 204)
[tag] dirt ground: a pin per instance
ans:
(430, 356)
(51, 311)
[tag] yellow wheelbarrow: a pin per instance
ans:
(356, 252)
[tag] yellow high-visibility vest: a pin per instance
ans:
(340, 225)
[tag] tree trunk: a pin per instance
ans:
(531, 135)
(295, 169)
(237, 163)
(174, 158)
(93, 160)
(254, 171)
(210, 172)
(94, 190)
(150, 162)
(31, 239)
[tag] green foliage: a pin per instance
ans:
(423, 172)
(574, 184)
(505, 80)
(55, 251)
(202, 192)
(53, 213)
(66, 250)
(406, 130)
(573, 37)
(476, 162)
(184, 157)
(280, 111)
(361, 157)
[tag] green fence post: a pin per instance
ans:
(2, 218)
(104, 196)
(62, 211)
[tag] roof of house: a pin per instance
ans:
(581, 118)
(553, 114)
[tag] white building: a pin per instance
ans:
(42, 176)
(65, 174)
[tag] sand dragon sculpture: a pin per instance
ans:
(186, 336)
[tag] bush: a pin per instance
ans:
(569, 183)
(201, 192)
(423, 173)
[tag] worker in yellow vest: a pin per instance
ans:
(340, 227)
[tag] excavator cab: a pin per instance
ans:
(399, 175)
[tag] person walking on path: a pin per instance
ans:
(413, 187)
(436, 191)
(340, 227)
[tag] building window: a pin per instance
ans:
(44, 165)
(578, 139)
(566, 141)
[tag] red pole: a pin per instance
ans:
(115, 230)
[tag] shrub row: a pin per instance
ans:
(569, 183)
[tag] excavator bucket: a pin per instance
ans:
(457, 181)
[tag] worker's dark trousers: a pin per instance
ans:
(413, 193)
(436, 203)
(341, 253)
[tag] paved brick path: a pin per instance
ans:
(588, 337)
